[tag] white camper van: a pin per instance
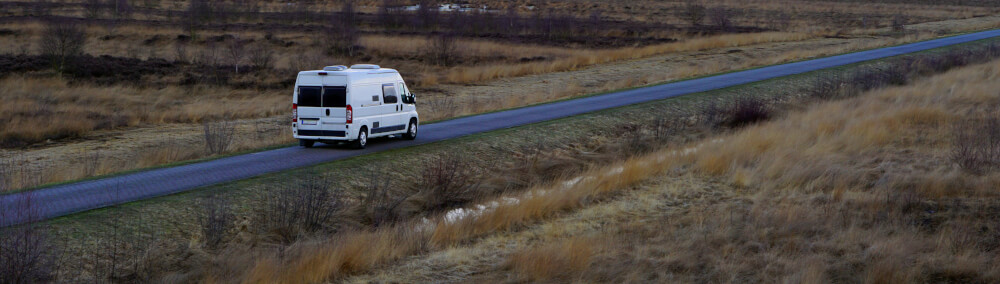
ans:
(352, 104)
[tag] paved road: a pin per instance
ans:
(77, 197)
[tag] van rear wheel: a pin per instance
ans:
(306, 143)
(362, 138)
(411, 132)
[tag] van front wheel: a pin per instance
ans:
(362, 138)
(411, 132)
(306, 143)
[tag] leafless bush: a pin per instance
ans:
(219, 136)
(381, 202)
(180, 51)
(976, 144)
(747, 110)
(899, 23)
(447, 181)
(121, 9)
(93, 8)
(216, 220)
(693, 12)
(197, 13)
(261, 57)
(306, 207)
(442, 48)
(721, 18)
(427, 14)
(61, 42)
(26, 255)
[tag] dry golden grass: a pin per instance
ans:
(461, 75)
(859, 190)
(565, 259)
(36, 109)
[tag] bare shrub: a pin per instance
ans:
(93, 8)
(976, 144)
(381, 202)
(721, 18)
(306, 207)
(121, 9)
(447, 181)
(216, 221)
(219, 136)
(26, 255)
(693, 12)
(442, 48)
(747, 110)
(180, 51)
(197, 13)
(261, 57)
(343, 34)
(899, 23)
(61, 42)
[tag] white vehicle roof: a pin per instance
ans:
(354, 74)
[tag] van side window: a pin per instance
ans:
(389, 94)
(309, 96)
(334, 96)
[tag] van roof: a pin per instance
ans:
(351, 72)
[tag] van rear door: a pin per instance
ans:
(309, 100)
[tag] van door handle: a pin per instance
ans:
(327, 112)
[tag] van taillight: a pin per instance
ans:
(350, 114)
(295, 112)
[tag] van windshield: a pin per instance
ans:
(309, 96)
(334, 96)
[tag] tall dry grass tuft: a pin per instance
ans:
(562, 260)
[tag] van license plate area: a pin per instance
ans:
(309, 121)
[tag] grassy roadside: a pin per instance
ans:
(559, 100)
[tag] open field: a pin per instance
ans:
(151, 142)
(574, 146)
(867, 189)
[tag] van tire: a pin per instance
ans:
(411, 130)
(362, 140)
(306, 143)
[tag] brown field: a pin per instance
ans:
(860, 190)
(172, 91)
(602, 194)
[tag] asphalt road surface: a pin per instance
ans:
(87, 195)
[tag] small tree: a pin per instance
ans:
(427, 13)
(343, 32)
(693, 13)
(236, 52)
(61, 42)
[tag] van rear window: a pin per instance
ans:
(334, 96)
(309, 96)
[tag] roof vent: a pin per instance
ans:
(365, 66)
(335, 68)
